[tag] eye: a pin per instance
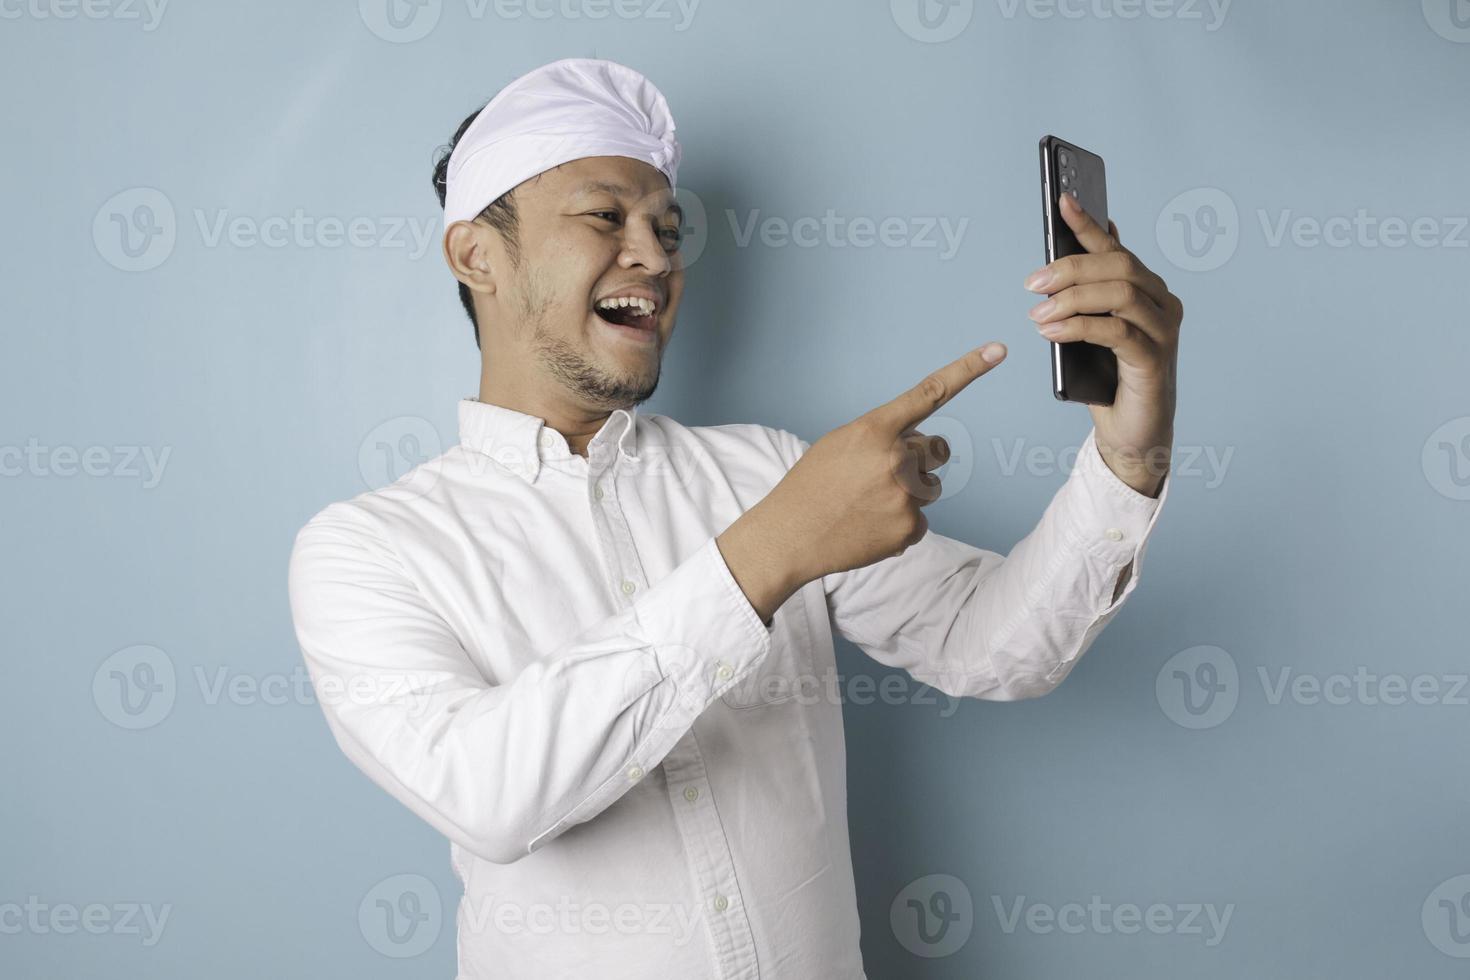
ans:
(612, 215)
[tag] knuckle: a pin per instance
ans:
(864, 427)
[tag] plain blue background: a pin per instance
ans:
(1327, 539)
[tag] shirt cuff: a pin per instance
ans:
(1108, 519)
(706, 634)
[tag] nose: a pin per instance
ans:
(643, 246)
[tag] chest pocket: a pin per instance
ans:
(788, 668)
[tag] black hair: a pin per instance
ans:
(500, 213)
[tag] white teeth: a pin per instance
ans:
(643, 306)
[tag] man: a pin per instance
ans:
(593, 646)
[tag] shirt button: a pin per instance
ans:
(546, 439)
(725, 672)
(691, 794)
(597, 491)
(721, 903)
(628, 587)
(1114, 534)
(635, 771)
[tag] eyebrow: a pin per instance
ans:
(593, 186)
(618, 190)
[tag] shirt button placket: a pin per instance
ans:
(710, 859)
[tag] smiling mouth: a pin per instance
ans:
(626, 316)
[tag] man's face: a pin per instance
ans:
(590, 230)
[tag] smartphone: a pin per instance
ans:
(1080, 371)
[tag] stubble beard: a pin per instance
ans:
(577, 372)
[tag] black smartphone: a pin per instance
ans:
(1080, 371)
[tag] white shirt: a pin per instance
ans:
(545, 656)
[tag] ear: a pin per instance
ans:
(467, 252)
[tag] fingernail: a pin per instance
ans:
(1050, 330)
(1042, 309)
(993, 352)
(1039, 280)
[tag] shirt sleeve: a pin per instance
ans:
(972, 623)
(504, 768)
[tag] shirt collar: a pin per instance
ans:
(521, 442)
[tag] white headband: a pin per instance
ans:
(566, 110)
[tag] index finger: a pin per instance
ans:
(1090, 234)
(929, 395)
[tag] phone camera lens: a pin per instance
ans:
(1066, 182)
(1073, 192)
(1064, 158)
